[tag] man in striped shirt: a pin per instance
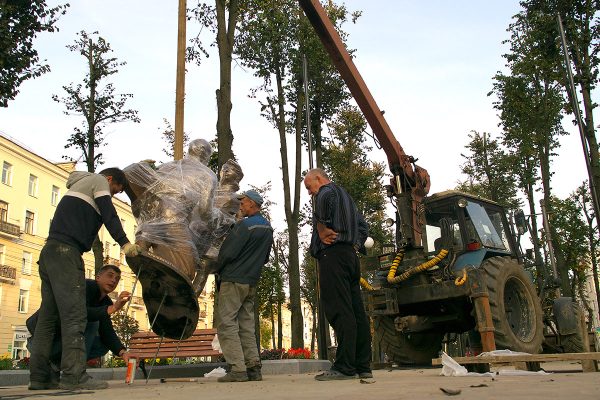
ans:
(339, 231)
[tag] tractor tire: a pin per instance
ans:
(515, 307)
(406, 349)
(573, 343)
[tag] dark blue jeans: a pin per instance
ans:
(63, 301)
(93, 345)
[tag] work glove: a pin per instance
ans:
(131, 249)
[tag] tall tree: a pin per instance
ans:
(571, 235)
(530, 103)
(582, 31)
(490, 170)
(583, 199)
(97, 103)
(265, 42)
(94, 100)
(222, 19)
(20, 23)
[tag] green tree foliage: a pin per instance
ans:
(125, 326)
(489, 171)
(20, 23)
(571, 235)
(93, 99)
(582, 31)
(530, 103)
(222, 19)
(346, 161)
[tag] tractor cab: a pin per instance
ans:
(463, 223)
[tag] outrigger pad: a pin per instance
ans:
(163, 283)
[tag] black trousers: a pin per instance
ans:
(339, 275)
(63, 301)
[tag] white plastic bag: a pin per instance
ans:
(216, 346)
(451, 367)
(216, 373)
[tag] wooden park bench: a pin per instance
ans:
(145, 345)
(530, 361)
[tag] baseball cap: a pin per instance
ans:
(252, 195)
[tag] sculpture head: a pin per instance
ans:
(200, 150)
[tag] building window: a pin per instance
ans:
(33, 185)
(26, 263)
(55, 195)
(2, 254)
(90, 273)
(29, 220)
(7, 173)
(23, 300)
(19, 348)
(3, 211)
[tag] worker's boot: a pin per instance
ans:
(234, 376)
(85, 383)
(254, 373)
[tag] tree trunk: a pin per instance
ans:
(257, 325)
(279, 326)
(272, 326)
(292, 216)
(313, 332)
(535, 240)
(225, 40)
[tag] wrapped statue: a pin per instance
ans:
(178, 224)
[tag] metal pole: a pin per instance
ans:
(158, 310)
(155, 354)
(575, 104)
(137, 277)
(322, 324)
(180, 81)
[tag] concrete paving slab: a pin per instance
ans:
(394, 384)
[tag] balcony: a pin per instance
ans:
(8, 274)
(10, 229)
(137, 302)
(112, 261)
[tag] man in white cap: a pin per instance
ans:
(240, 263)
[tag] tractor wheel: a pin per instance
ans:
(408, 349)
(515, 307)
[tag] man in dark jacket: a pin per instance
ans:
(241, 258)
(78, 218)
(100, 335)
(339, 232)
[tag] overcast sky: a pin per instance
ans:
(429, 65)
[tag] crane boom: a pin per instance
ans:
(399, 161)
(409, 178)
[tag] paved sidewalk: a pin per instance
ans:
(395, 384)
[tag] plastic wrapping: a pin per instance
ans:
(174, 206)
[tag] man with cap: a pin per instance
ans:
(241, 258)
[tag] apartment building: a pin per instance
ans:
(30, 189)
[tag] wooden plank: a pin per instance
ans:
(180, 354)
(522, 358)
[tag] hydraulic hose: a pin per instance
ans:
(461, 279)
(419, 268)
(365, 284)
